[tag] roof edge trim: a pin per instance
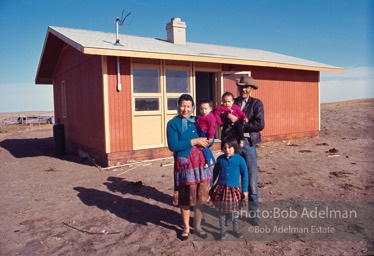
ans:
(66, 39)
(222, 60)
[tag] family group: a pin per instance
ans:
(228, 182)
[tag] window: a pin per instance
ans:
(147, 104)
(146, 80)
(146, 89)
(63, 99)
(156, 86)
(172, 103)
(177, 81)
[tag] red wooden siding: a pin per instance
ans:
(230, 86)
(120, 119)
(290, 99)
(84, 123)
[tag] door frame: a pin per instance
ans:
(220, 85)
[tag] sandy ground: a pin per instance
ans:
(60, 206)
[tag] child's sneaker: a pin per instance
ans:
(223, 236)
(238, 234)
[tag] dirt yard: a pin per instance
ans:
(65, 206)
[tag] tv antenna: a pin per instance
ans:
(119, 22)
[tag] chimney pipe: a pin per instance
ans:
(176, 31)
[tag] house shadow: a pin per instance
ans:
(21, 148)
(129, 209)
(34, 147)
(116, 184)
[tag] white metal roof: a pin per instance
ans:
(103, 43)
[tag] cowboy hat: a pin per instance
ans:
(247, 81)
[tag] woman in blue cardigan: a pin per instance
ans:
(191, 179)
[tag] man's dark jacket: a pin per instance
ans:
(254, 110)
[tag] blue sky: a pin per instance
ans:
(335, 32)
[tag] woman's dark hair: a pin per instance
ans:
(228, 94)
(231, 141)
(186, 97)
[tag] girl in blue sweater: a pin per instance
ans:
(226, 193)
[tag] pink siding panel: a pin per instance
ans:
(120, 119)
(290, 99)
(84, 123)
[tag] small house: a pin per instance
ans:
(115, 93)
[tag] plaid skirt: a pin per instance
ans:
(224, 198)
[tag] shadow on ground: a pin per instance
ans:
(34, 147)
(132, 210)
(20, 148)
(116, 184)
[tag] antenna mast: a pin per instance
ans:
(120, 22)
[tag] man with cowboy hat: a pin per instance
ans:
(254, 110)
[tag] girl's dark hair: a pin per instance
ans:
(231, 141)
(228, 94)
(205, 101)
(186, 97)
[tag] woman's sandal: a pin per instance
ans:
(201, 234)
(184, 236)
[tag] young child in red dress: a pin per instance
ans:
(206, 127)
(229, 107)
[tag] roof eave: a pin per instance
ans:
(66, 39)
(41, 59)
(40, 78)
(43, 80)
(222, 60)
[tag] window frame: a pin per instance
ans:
(147, 95)
(64, 112)
(176, 95)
